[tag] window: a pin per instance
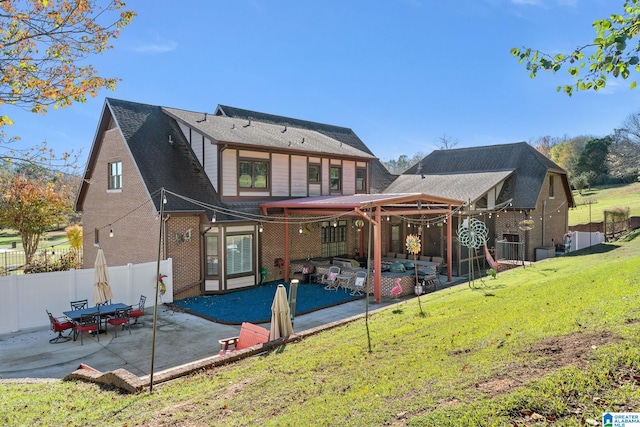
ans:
(314, 173)
(239, 254)
(253, 174)
(361, 180)
(115, 176)
(551, 185)
(212, 255)
(335, 178)
(334, 238)
(96, 237)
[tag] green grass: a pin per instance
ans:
(605, 198)
(555, 343)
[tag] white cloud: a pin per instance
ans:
(159, 47)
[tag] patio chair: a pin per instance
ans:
(139, 311)
(331, 280)
(88, 323)
(358, 285)
(59, 326)
(249, 336)
(122, 317)
(80, 304)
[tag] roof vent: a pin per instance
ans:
(170, 140)
(248, 124)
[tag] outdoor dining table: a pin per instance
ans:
(103, 310)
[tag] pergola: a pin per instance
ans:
(368, 207)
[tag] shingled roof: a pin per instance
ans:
(380, 178)
(527, 169)
(162, 162)
(255, 133)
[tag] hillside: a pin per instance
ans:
(590, 206)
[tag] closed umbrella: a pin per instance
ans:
(102, 292)
(280, 318)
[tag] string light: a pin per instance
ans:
(110, 231)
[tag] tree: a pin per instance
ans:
(624, 153)
(45, 44)
(611, 53)
(565, 154)
(446, 142)
(31, 207)
(593, 159)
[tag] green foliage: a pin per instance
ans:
(422, 371)
(611, 53)
(491, 272)
(605, 198)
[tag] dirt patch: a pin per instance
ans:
(567, 350)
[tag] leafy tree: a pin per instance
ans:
(31, 207)
(579, 182)
(402, 163)
(612, 53)
(45, 45)
(593, 158)
(565, 154)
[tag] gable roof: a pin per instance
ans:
(379, 176)
(463, 186)
(528, 169)
(252, 133)
(162, 164)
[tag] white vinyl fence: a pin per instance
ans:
(582, 239)
(24, 298)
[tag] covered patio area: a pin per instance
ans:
(416, 208)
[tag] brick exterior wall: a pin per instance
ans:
(186, 253)
(129, 212)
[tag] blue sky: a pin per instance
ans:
(400, 73)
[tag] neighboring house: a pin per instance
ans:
(248, 193)
(522, 197)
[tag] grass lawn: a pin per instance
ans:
(557, 343)
(604, 198)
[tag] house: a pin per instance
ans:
(521, 196)
(239, 196)
(211, 171)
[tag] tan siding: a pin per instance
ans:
(211, 162)
(348, 178)
(229, 173)
(253, 154)
(280, 175)
(298, 176)
(325, 177)
(315, 190)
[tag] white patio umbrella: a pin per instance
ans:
(102, 291)
(280, 318)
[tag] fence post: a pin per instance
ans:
(15, 306)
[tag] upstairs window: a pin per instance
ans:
(551, 195)
(335, 178)
(253, 174)
(314, 174)
(115, 176)
(361, 180)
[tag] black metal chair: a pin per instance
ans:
(80, 304)
(139, 311)
(122, 317)
(88, 323)
(59, 326)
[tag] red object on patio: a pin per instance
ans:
(121, 318)
(88, 323)
(138, 312)
(59, 327)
